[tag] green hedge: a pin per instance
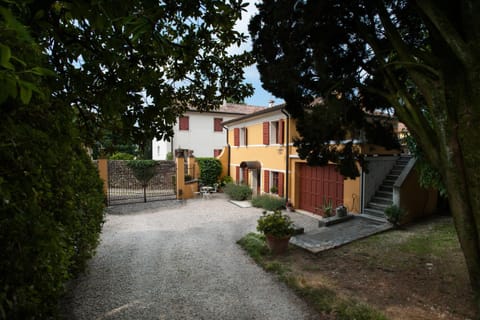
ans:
(51, 208)
(210, 170)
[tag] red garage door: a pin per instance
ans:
(319, 184)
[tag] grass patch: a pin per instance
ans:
(322, 299)
(438, 242)
(254, 244)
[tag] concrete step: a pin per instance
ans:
(384, 188)
(391, 176)
(382, 200)
(396, 172)
(378, 206)
(388, 183)
(374, 213)
(384, 194)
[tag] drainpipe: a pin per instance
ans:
(287, 151)
(229, 152)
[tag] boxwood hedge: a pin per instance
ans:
(51, 208)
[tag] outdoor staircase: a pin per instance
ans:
(383, 197)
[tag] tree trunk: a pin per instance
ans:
(462, 179)
(468, 234)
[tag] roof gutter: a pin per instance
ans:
(287, 155)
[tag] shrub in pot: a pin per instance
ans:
(278, 229)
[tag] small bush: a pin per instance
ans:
(394, 214)
(238, 192)
(273, 189)
(268, 202)
(122, 156)
(226, 180)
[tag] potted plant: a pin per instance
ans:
(289, 206)
(327, 208)
(277, 228)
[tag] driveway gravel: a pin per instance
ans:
(179, 262)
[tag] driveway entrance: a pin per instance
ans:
(179, 262)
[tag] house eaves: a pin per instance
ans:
(255, 115)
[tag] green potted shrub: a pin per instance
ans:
(277, 228)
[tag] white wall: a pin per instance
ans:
(201, 137)
(160, 149)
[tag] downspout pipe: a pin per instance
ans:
(229, 153)
(287, 155)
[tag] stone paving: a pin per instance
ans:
(316, 239)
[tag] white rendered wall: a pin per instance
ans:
(201, 137)
(160, 149)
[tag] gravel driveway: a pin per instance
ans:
(179, 262)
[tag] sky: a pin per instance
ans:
(260, 97)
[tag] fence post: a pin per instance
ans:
(103, 172)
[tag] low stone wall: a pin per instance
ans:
(121, 176)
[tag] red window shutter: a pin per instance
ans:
(236, 137)
(280, 183)
(266, 133)
(184, 123)
(217, 124)
(266, 181)
(246, 136)
(237, 174)
(281, 129)
(245, 176)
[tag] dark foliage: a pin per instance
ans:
(51, 208)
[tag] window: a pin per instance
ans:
(274, 182)
(184, 123)
(276, 132)
(243, 136)
(217, 125)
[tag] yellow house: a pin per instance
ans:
(262, 155)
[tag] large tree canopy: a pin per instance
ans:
(421, 58)
(70, 71)
(131, 67)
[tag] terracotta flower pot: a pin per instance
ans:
(277, 245)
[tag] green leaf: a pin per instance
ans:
(39, 71)
(5, 55)
(26, 91)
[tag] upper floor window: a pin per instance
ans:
(217, 124)
(184, 123)
(243, 136)
(273, 132)
(240, 136)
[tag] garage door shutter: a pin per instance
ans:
(318, 184)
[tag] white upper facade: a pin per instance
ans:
(201, 132)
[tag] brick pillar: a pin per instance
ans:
(103, 172)
(192, 167)
(180, 160)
